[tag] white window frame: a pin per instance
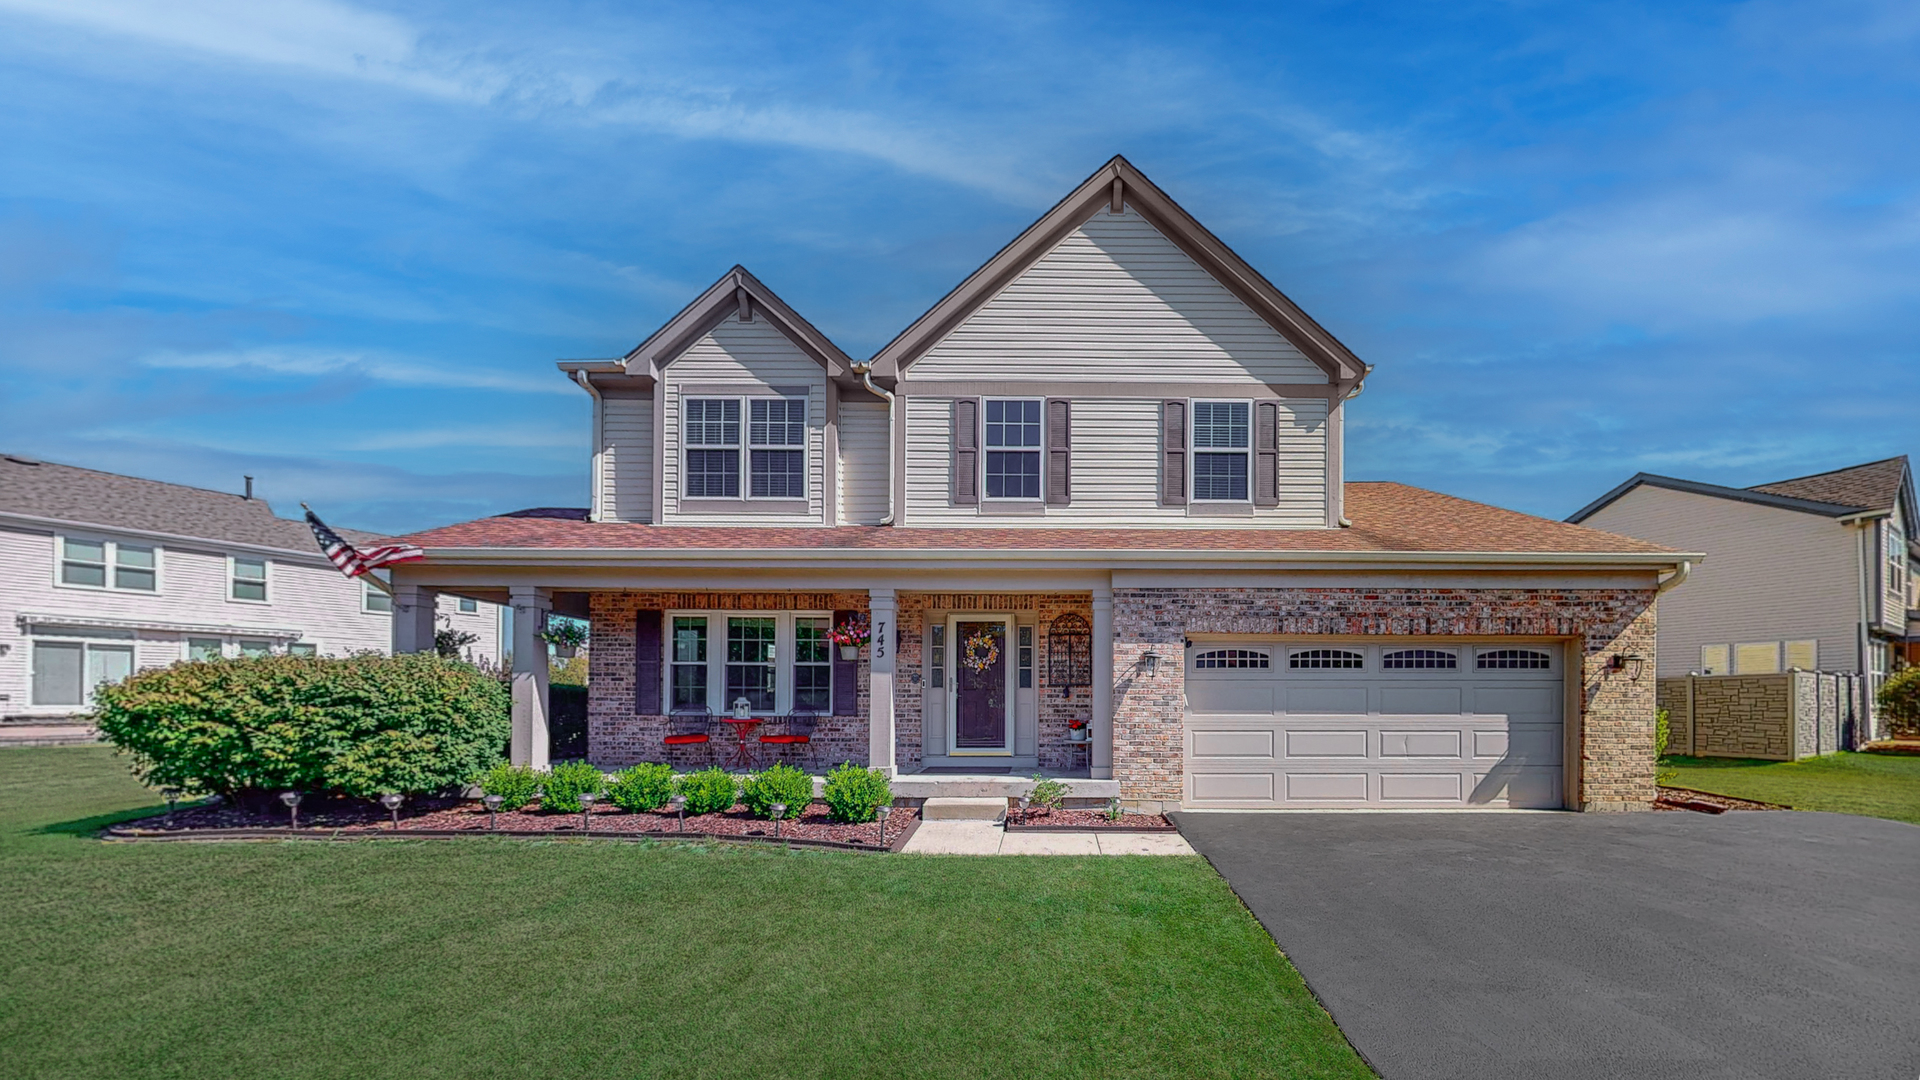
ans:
(461, 602)
(743, 447)
(1895, 559)
(186, 645)
(127, 644)
(110, 551)
(265, 580)
(240, 646)
(1194, 450)
(367, 592)
(1039, 452)
(785, 647)
(318, 650)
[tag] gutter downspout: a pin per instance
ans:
(865, 371)
(1343, 521)
(1679, 575)
(599, 441)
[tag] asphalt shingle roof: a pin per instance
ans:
(1873, 486)
(67, 493)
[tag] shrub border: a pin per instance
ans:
(215, 835)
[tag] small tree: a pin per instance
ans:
(1900, 702)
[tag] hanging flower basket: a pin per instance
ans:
(850, 635)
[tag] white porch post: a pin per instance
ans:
(882, 614)
(530, 607)
(413, 611)
(1102, 752)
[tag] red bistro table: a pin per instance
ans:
(742, 755)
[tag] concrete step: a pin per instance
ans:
(952, 808)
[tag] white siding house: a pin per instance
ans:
(102, 575)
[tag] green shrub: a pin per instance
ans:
(357, 725)
(566, 782)
(855, 795)
(1047, 793)
(1662, 731)
(642, 787)
(709, 791)
(779, 783)
(515, 784)
(1900, 702)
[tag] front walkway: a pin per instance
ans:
(988, 838)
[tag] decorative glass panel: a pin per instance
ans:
(1319, 659)
(937, 654)
(1421, 659)
(1026, 657)
(1069, 652)
(1232, 658)
(1496, 659)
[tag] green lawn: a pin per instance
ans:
(497, 958)
(1876, 785)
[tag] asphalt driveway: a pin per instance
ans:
(1611, 946)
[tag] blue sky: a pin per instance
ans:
(338, 245)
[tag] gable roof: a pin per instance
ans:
(66, 493)
(736, 293)
(1113, 185)
(1862, 489)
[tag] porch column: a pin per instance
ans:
(530, 607)
(1102, 750)
(413, 611)
(882, 615)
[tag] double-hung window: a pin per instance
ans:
(108, 564)
(777, 448)
(713, 448)
(778, 662)
(1013, 449)
(249, 580)
(1221, 448)
(1896, 561)
(375, 601)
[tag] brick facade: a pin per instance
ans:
(1617, 763)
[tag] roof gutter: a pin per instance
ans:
(864, 369)
(1680, 574)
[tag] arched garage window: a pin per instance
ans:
(1493, 659)
(1232, 658)
(1421, 659)
(1324, 658)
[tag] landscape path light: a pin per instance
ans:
(587, 799)
(392, 800)
(680, 807)
(292, 799)
(779, 811)
(885, 812)
(493, 810)
(1113, 808)
(172, 796)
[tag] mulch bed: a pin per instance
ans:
(1901, 746)
(1084, 821)
(347, 819)
(1706, 802)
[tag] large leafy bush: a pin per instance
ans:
(1900, 702)
(709, 791)
(358, 725)
(779, 783)
(854, 794)
(515, 784)
(640, 788)
(566, 782)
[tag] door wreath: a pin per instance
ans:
(980, 651)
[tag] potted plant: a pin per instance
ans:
(1076, 730)
(850, 635)
(566, 637)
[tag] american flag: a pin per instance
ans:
(350, 560)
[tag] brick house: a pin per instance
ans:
(1092, 507)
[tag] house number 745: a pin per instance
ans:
(880, 640)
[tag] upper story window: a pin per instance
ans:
(108, 564)
(373, 600)
(249, 580)
(1221, 448)
(1896, 561)
(1013, 449)
(776, 446)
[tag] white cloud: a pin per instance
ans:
(317, 362)
(489, 437)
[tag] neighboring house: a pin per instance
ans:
(1812, 573)
(1101, 481)
(102, 575)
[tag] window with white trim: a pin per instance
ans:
(780, 661)
(1512, 659)
(374, 600)
(712, 438)
(1222, 448)
(204, 648)
(777, 441)
(1013, 448)
(68, 672)
(303, 648)
(1420, 660)
(108, 564)
(1233, 658)
(773, 442)
(254, 649)
(1321, 659)
(249, 579)
(468, 605)
(1896, 561)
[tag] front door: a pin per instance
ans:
(980, 695)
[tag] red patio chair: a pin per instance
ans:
(691, 729)
(795, 730)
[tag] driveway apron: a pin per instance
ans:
(1606, 946)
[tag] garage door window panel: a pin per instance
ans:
(1233, 658)
(1513, 660)
(1420, 660)
(1325, 659)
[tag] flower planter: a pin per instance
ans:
(564, 652)
(1076, 734)
(849, 652)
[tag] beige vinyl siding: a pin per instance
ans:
(747, 359)
(626, 459)
(1116, 300)
(1116, 470)
(1893, 594)
(1770, 575)
(863, 463)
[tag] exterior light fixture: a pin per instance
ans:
(1629, 664)
(1025, 801)
(492, 803)
(172, 796)
(1113, 808)
(680, 807)
(885, 812)
(779, 811)
(292, 799)
(392, 800)
(587, 799)
(1150, 664)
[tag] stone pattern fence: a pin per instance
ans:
(1784, 717)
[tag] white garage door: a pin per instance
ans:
(1406, 723)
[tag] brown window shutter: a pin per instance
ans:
(1173, 453)
(966, 452)
(1266, 453)
(1059, 452)
(846, 674)
(647, 659)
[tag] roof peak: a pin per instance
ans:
(1831, 472)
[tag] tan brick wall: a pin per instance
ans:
(1617, 763)
(1671, 695)
(1781, 716)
